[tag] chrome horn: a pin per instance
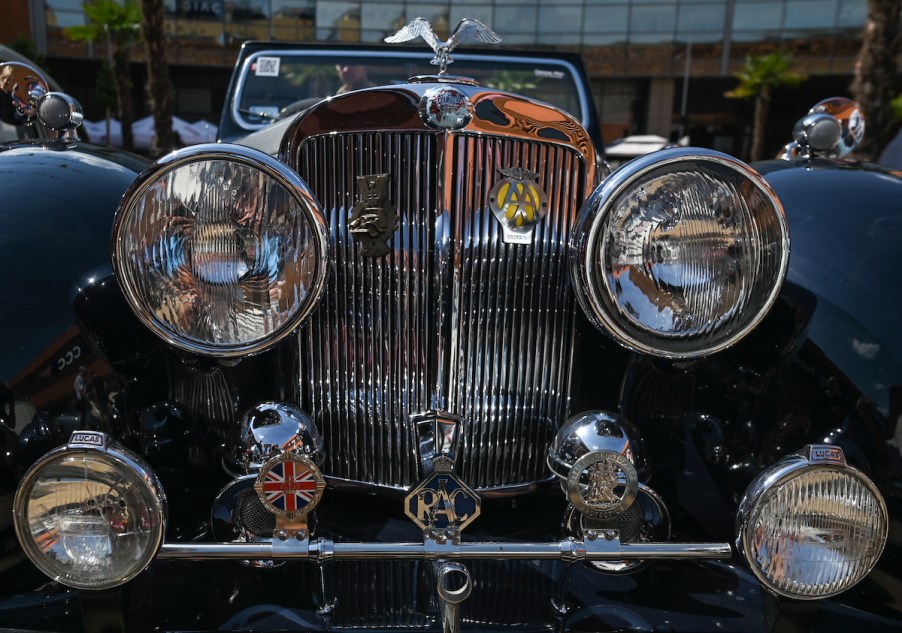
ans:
(25, 97)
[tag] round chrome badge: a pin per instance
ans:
(602, 484)
(290, 485)
(445, 108)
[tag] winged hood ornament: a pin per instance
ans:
(467, 29)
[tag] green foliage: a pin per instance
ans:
(896, 104)
(521, 81)
(763, 72)
(23, 44)
(121, 22)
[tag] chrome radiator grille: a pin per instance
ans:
(451, 318)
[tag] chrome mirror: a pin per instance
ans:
(833, 128)
(24, 86)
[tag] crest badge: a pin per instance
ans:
(519, 203)
(602, 484)
(373, 219)
(290, 485)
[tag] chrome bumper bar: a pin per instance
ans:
(605, 547)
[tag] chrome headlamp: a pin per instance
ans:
(680, 253)
(90, 515)
(810, 526)
(221, 250)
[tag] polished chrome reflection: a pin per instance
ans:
(818, 132)
(91, 514)
(59, 112)
(220, 250)
(451, 318)
(851, 122)
(597, 432)
(810, 526)
(680, 253)
(269, 429)
(24, 86)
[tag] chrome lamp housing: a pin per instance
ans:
(811, 526)
(220, 250)
(680, 253)
(90, 514)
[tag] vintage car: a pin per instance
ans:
(401, 353)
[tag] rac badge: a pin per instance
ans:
(373, 219)
(602, 484)
(519, 203)
(289, 485)
(441, 500)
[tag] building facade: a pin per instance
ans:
(656, 66)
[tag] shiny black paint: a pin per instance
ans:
(710, 426)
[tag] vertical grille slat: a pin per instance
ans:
(504, 347)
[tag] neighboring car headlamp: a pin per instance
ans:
(810, 526)
(221, 250)
(680, 253)
(90, 515)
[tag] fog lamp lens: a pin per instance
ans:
(812, 528)
(221, 250)
(681, 253)
(90, 518)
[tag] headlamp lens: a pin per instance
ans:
(88, 519)
(815, 533)
(221, 254)
(682, 253)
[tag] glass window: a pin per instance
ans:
(334, 20)
(607, 19)
(818, 14)
(701, 17)
(560, 24)
(381, 17)
(248, 9)
(483, 13)
(653, 19)
(852, 13)
(511, 22)
(758, 15)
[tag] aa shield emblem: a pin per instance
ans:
(519, 203)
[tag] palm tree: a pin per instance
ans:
(159, 87)
(760, 75)
(119, 26)
(876, 80)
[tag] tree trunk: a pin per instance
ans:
(876, 77)
(159, 87)
(762, 109)
(124, 96)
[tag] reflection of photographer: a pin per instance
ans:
(353, 77)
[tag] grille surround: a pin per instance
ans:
(452, 318)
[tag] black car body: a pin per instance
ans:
(444, 375)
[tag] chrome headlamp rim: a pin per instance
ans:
(593, 294)
(124, 459)
(282, 175)
(784, 470)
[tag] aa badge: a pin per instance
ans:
(519, 203)
(289, 485)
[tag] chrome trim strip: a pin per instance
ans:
(569, 550)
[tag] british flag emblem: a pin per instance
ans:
(290, 485)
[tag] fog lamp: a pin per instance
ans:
(90, 515)
(680, 253)
(810, 526)
(221, 250)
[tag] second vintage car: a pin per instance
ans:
(401, 352)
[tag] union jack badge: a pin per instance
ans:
(289, 485)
